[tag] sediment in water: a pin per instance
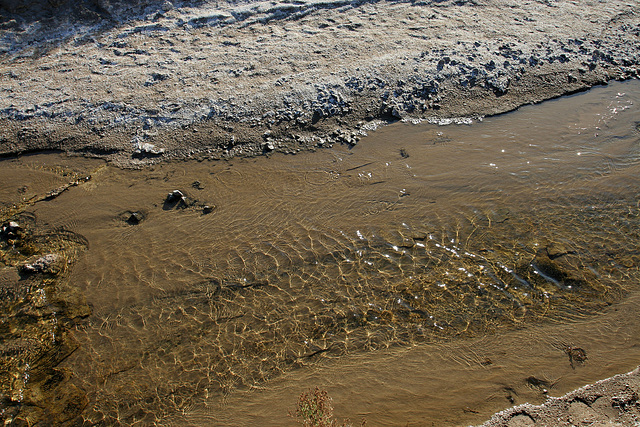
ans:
(38, 308)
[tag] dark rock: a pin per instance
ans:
(577, 355)
(11, 228)
(175, 199)
(268, 146)
(557, 250)
(207, 209)
(156, 77)
(499, 84)
(561, 266)
(538, 383)
(167, 6)
(547, 268)
(135, 218)
(55, 193)
(175, 196)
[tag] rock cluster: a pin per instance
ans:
(611, 402)
(49, 263)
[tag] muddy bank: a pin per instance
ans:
(149, 81)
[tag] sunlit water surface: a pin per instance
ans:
(428, 275)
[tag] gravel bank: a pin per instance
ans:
(158, 80)
(612, 402)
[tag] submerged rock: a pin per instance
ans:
(50, 263)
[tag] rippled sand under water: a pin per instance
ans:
(430, 274)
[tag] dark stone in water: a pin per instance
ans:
(10, 229)
(175, 196)
(550, 269)
(55, 193)
(135, 218)
(556, 250)
(207, 209)
(538, 383)
(175, 199)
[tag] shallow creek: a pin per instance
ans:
(430, 275)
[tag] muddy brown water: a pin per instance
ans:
(430, 275)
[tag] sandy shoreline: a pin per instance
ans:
(141, 84)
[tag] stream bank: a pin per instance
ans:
(154, 81)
